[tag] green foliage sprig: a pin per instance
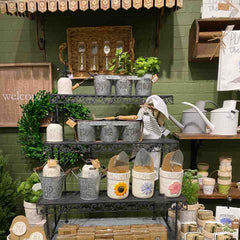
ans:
(26, 190)
(29, 126)
(8, 197)
(122, 64)
(190, 186)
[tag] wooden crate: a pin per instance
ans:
(86, 38)
(200, 49)
(18, 84)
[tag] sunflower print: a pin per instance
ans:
(120, 189)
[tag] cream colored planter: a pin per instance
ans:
(225, 168)
(208, 185)
(143, 184)
(225, 161)
(171, 183)
(31, 213)
(118, 185)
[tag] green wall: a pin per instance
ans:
(187, 82)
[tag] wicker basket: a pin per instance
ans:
(85, 37)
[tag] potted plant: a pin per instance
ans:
(145, 69)
(31, 195)
(190, 190)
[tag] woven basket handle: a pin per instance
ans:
(60, 54)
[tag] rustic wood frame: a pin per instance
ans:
(22, 66)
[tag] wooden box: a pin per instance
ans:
(202, 30)
(91, 49)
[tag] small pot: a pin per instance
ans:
(109, 133)
(143, 86)
(222, 175)
(224, 186)
(205, 214)
(200, 180)
(208, 185)
(102, 85)
(225, 161)
(132, 132)
(225, 168)
(85, 131)
(123, 86)
(203, 167)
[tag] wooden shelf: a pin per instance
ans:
(187, 136)
(234, 193)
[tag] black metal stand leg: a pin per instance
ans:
(176, 225)
(47, 222)
(66, 217)
(195, 144)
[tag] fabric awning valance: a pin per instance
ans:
(31, 6)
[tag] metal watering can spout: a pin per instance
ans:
(209, 124)
(176, 122)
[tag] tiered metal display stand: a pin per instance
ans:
(71, 201)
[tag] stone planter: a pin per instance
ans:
(143, 184)
(54, 133)
(191, 213)
(103, 85)
(109, 133)
(31, 212)
(143, 85)
(170, 183)
(85, 131)
(123, 86)
(118, 185)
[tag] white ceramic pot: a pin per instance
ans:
(171, 183)
(143, 184)
(31, 213)
(225, 168)
(54, 132)
(208, 185)
(225, 161)
(64, 85)
(118, 185)
(200, 180)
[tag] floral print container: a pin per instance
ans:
(143, 184)
(171, 183)
(118, 185)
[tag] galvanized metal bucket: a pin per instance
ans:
(85, 131)
(109, 133)
(143, 86)
(102, 85)
(89, 187)
(123, 86)
(132, 132)
(51, 186)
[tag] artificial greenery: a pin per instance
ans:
(8, 197)
(122, 64)
(29, 126)
(26, 190)
(190, 186)
(142, 66)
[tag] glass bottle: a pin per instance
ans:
(81, 56)
(94, 56)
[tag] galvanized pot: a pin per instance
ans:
(85, 131)
(102, 85)
(109, 133)
(123, 86)
(132, 132)
(143, 86)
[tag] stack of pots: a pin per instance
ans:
(202, 173)
(224, 175)
(123, 85)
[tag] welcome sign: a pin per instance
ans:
(18, 84)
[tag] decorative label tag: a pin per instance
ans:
(96, 163)
(52, 163)
(155, 78)
(71, 123)
(223, 6)
(19, 228)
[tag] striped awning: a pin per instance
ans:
(31, 6)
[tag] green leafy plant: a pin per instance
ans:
(26, 190)
(121, 63)
(143, 66)
(8, 197)
(190, 186)
(29, 126)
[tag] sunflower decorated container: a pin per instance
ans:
(118, 185)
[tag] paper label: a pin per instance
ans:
(19, 228)
(223, 6)
(52, 163)
(71, 123)
(96, 163)
(155, 78)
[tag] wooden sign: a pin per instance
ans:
(18, 84)
(19, 228)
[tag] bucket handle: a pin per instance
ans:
(38, 169)
(72, 170)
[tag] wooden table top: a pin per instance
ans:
(188, 136)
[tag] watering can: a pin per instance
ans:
(191, 120)
(223, 121)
